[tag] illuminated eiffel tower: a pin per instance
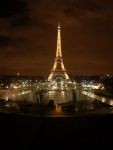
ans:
(58, 70)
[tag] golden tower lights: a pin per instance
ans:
(58, 67)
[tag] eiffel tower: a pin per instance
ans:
(58, 70)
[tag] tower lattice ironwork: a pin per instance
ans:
(58, 69)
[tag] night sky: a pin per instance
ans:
(28, 31)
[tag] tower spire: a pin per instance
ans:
(58, 51)
(59, 25)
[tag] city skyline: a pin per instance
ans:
(28, 32)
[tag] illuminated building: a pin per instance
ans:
(58, 67)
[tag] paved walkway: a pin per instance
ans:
(58, 112)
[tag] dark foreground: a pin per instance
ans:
(33, 132)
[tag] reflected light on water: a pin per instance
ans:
(102, 99)
(111, 102)
(58, 108)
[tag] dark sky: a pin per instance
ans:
(28, 36)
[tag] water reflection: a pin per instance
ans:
(62, 99)
(16, 95)
(58, 108)
(100, 98)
